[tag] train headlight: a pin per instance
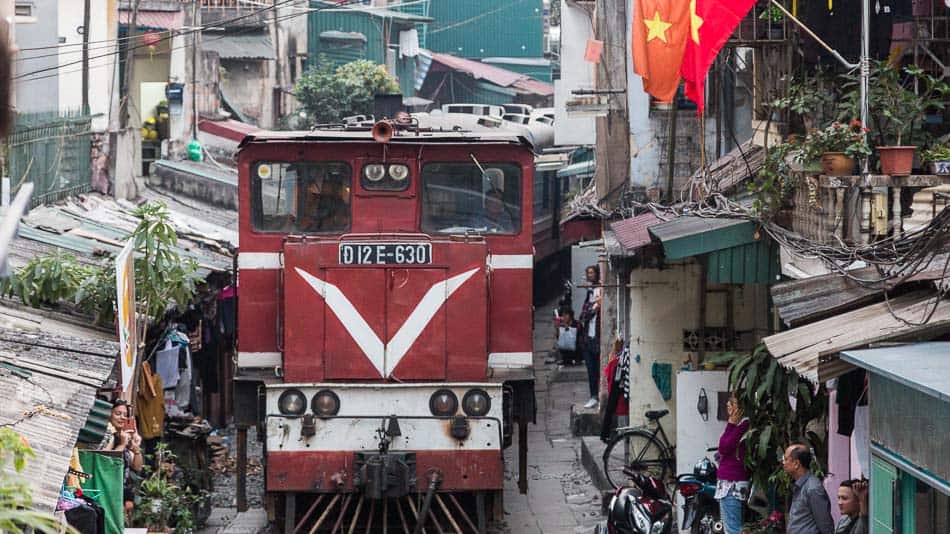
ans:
(374, 172)
(325, 403)
(476, 403)
(443, 403)
(398, 172)
(292, 402)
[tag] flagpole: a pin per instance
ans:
(865, 70)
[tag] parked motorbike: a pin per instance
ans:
(643, 508)
(700, 508)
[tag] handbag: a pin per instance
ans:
(567, 338)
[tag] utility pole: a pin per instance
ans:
(129, 65)
(85, 56)
(612, 152)
(278, 79)
(195, 40)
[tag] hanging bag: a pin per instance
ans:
(567, 338)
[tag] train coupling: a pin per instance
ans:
(385, 474)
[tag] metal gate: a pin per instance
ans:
(52, 150)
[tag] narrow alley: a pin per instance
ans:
(561, 497)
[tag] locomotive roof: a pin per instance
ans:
(401, 137)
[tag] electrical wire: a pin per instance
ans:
(190, 31)
(184, 46)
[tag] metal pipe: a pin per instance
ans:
(346, 506)
(309, 512)
(434, 480)
(356, 516)
(448, 514)
(865, 62)
(462, 511)
(412, 506)
(241, 488)
(325, 513)
(11, 219)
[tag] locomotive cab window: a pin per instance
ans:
(301, 197)
(465, 197)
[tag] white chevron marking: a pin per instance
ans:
(386, 357)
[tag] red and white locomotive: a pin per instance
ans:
(385, 320)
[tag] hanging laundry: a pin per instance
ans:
(408, 43)
(150, 408)
(166, 364)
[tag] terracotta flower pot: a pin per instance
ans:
(896, 160)
(837, 164)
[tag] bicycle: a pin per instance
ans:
(645, 451)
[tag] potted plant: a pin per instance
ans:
(837, 147)
(771, 27)
(939, 159)
(896, 106)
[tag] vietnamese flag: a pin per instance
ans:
(711, 22)
(659, 32)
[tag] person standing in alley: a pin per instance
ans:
(590, 326)
(810, 512)
(732, 486)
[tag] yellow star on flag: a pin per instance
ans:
(695, 21)
(657, 28)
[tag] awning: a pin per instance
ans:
(691, 236)
(48, 392)
(924, 367)
(812, 350)
(158, 20)
(345, 37)
(238, 46)
(632, 233)
(802, 301)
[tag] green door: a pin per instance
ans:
(883, 487)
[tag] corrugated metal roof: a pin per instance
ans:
(535, 87)
(478, 70)
(752, 263)
(801, 301)
(47, 398)
(632, 233)
(239, 46)
(735, 167)
(228, 129)
(159, 20)
(690, 236)
(95, 226)
(381, 12)
(921, 366)
(487, 28)
(812, 350)
(333, 35)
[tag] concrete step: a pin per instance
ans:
(592, 455)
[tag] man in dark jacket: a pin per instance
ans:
(810, 512)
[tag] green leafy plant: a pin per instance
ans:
(851, 139)
(772, 14)
(47, 280)
(15, 496)
(163, 502)
(764, 390)
(773, 184)
(897, 99)
(328, 94)
(936, 153)
(162, 276)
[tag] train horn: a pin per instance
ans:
(383, 131)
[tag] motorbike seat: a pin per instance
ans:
(653, 415)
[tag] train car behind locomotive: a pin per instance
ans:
(385, 321)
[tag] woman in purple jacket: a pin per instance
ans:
(732, 488)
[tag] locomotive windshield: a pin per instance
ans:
(307, 197)
(470, 197)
